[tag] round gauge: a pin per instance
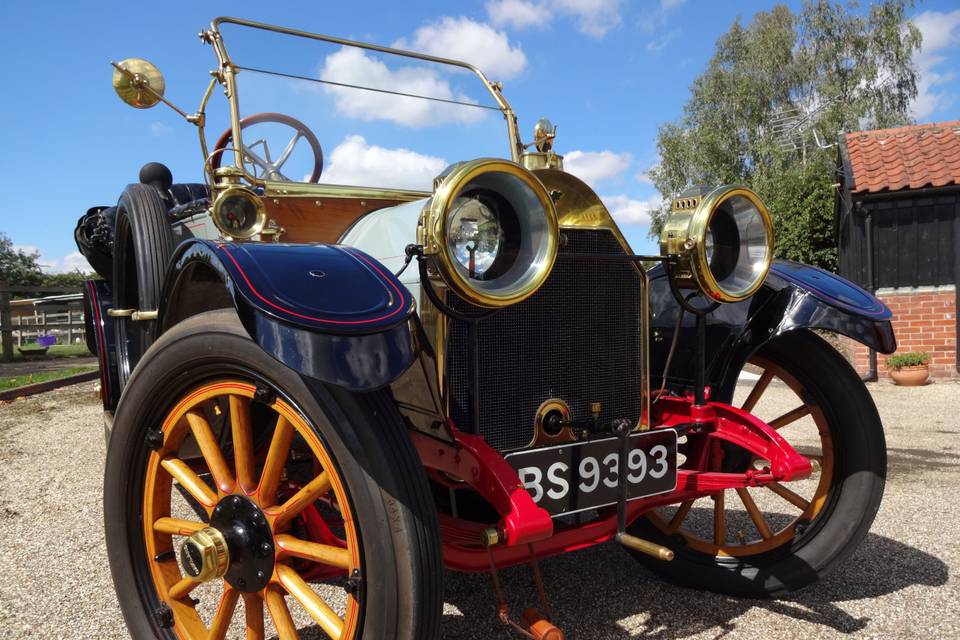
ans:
(239, 213)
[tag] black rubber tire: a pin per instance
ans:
(143, 244)
(364, 434)
(860, 460)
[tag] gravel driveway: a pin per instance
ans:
(901, 583)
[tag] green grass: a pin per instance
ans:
(56, 351)
(32, 378)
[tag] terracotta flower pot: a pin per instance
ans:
(910, 376)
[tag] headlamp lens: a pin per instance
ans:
(474, 236)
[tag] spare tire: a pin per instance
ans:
(143, 244)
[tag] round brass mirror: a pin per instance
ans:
(138, 82)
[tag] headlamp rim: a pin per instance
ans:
(700, 224)
(449, 185)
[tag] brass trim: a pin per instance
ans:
(209, 547)
(120, 313)
(143, 316)
(684, 233)
(432, 228)
(651, 549)
(243, 192)
(226, 74)
(272, 189)
(540, 436)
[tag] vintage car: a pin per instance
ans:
(319, 396)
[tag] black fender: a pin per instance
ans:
(329, 312)
(793, 296)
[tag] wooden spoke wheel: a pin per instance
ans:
(748, 541)
(209, 454)
(746, 522)
(241, 500)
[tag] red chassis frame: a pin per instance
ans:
(523, 523)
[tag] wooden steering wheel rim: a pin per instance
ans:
(271, 116)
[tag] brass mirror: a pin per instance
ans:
(138, 82)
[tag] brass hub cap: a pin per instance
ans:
(204, 555)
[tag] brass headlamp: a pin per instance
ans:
(492, 228)
(723, 241)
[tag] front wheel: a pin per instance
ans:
(240, 498)
(762, 541)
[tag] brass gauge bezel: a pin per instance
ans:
(259, 223)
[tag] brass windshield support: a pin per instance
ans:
(214, 37)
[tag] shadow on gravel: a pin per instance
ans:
(602, 593)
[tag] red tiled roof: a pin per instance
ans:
(924, 155)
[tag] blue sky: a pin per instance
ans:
(607, 72)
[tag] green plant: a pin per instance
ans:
(908, 359)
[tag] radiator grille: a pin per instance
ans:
(577, 339)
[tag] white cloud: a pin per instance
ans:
(594, 166)
(941, 32)
(627, 210)
(159, 129)
(474, 42)
(355, 162)
(666, 5)
(595, 17)
(353, 66)
(518, 14)
(660, 42)
(73, 261)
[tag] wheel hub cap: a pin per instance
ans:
(204, 556)
(237, 546)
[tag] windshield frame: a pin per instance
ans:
(226, 75)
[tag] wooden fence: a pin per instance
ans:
(22, 321)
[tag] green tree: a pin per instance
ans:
(16, 267)
(775, 93)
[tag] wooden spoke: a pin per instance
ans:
(182, 589)
(719, 520)
(277, 606)
(758, 390)
(788, 495)
(253, 613)
(790, 416)
(679, 516)
(224, 614)
(177, 527)
(758, 520)
(322, 553)
(301, 499)
(275, 462)
(207, 442)
(190, 481)
(243, 443)
(314, 605)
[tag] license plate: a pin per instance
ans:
(583, 475)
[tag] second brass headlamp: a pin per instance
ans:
(723, 241)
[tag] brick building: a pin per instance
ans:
(898, 230)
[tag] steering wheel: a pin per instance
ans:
(257, 153)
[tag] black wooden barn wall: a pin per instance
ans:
(914, 238)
